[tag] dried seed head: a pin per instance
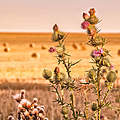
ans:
(35, 100)
(10, 117)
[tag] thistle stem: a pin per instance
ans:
(98, 93)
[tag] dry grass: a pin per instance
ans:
(45, 97)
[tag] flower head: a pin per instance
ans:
(97, 53)
(10, 117)
(55, 27)
(35, 111)
(52, 49)
(85, 25)
(85, 16)
(92, 11)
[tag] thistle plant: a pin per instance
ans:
(65, 86)
(100, 60)
(60, 82)
(27, 110)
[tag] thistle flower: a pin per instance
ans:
(85, 25)
(85, 16)
(52, 49)
(97, 53)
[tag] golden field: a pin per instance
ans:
(17, 63)
(23, 56)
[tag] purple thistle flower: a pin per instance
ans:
(85, 25)
(101, 51)
(52, 49)
(97, 53)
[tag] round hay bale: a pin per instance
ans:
(82, 46)
(5, 44)
(6, 49)
(31, 45)
(35, 55)
(118, 52)
(75, 46)
(43, 47)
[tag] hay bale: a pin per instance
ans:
(43, 47)
(118, 52)
(75, 46)
(82, 46)
(6, 49)
(31, 45)
(5, 44)
(35, 55)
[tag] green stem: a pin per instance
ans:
(98, 93)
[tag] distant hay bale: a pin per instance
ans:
(32, 45)
(43, 47)
(6, 49)
(118, 52)
(5, 44)
(82, 45)
(75, 46)
(35, 55)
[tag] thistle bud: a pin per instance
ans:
(47, 74)
(94, 107)
(86, 16)
(65, 110)
(55, 27)
(57, 35)
(105, 62)
(57, 70)
(111, 76)
(92, 11)
(92, 74)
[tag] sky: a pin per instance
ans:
(41, 15)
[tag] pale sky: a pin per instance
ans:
(41, 15)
